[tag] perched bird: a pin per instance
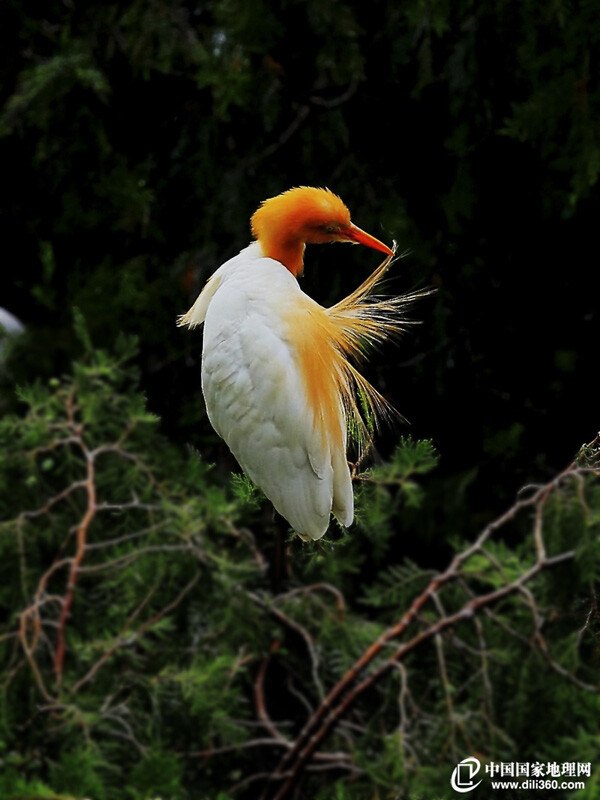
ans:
(276, 376)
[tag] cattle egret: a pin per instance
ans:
(276, 377)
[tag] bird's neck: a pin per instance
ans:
(288, 251)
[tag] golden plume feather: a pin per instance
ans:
(327, 340)
(356, 324)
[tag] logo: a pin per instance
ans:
(462, 777)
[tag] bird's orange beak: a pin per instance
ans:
(358, 236)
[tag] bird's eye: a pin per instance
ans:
(331, 228)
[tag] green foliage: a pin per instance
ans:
(158, 774)
(246, 491)
(134, 528)
(149, 685)
(45, 85)
(144, 593)
(78, 772)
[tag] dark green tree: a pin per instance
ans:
(147, 651)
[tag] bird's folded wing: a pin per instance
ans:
(257, 401)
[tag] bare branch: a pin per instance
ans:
(345, 693)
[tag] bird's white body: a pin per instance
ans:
(256, 391)
(278, 372)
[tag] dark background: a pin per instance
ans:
(138, 138)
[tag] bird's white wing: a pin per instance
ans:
(256, 400)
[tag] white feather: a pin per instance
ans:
(255, 396)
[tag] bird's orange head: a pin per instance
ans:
(284, 224)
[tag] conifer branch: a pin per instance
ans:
(350, 688)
